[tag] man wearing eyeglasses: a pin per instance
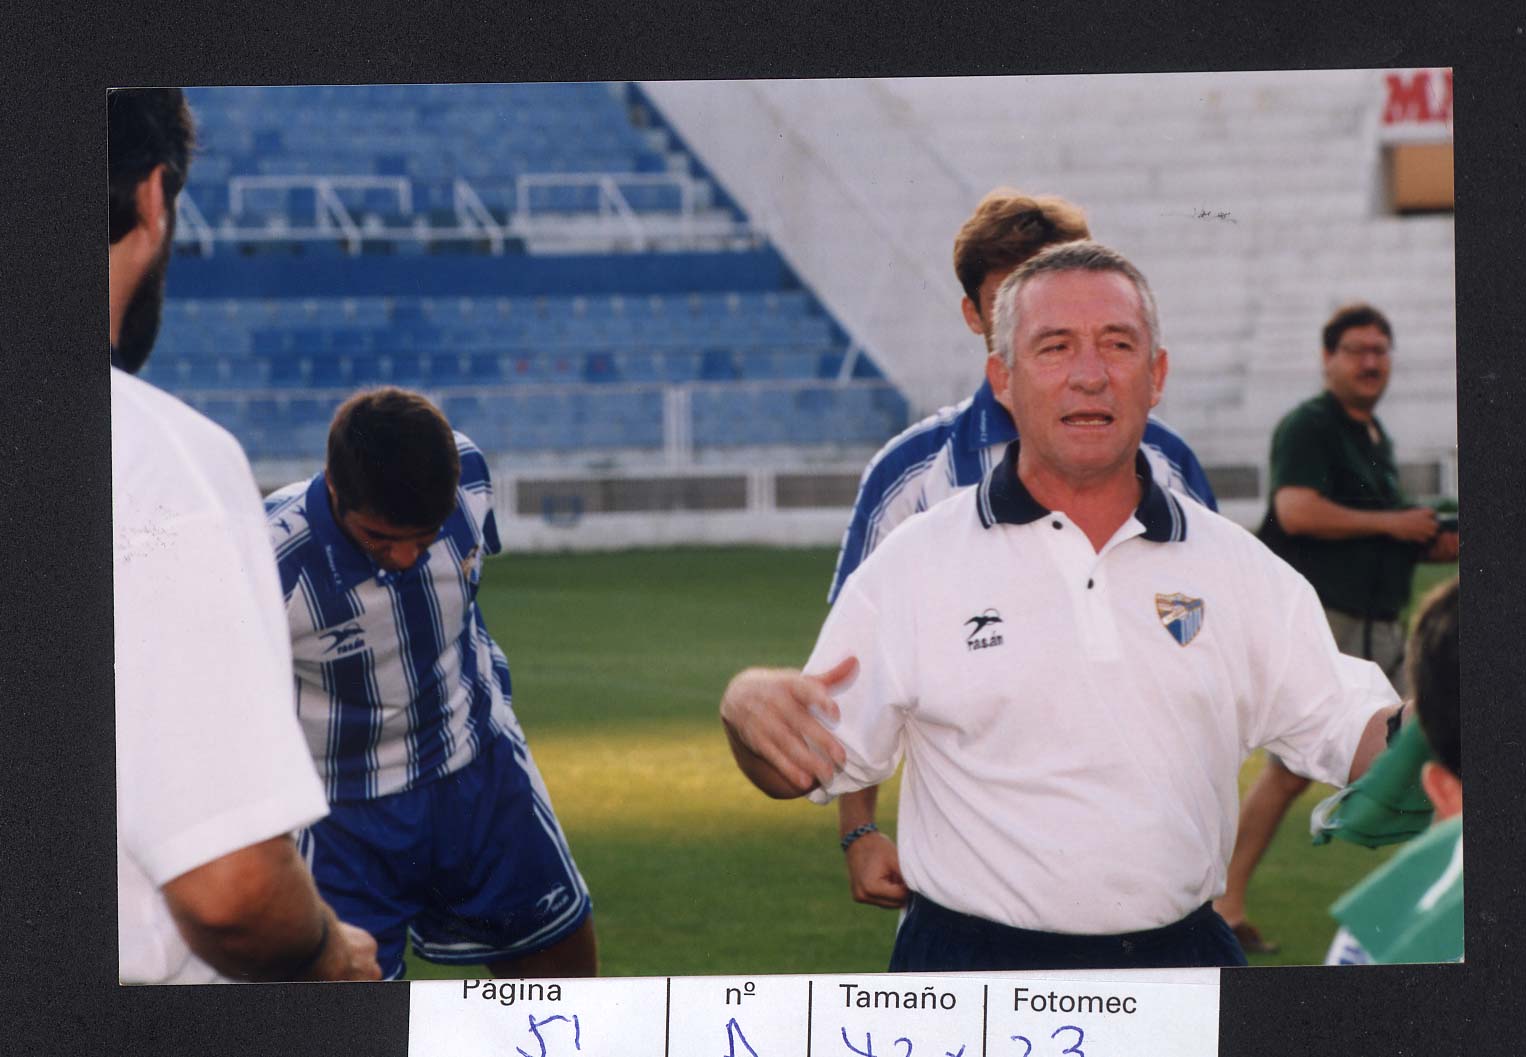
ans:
(1338, 516)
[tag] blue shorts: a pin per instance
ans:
(933, 938)
(472, 867)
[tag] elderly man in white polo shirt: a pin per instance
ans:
(1073, 662)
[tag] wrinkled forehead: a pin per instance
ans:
(1080, 297)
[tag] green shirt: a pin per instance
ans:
(1317, 445)
(1410, 908)
(1387, 804)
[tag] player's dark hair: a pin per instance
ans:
(1358, 314)
(147, 127)
(392, 455)
(1432, 668)
(1006, 229)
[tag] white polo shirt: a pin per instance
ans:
(210, 757)
(1073, 722)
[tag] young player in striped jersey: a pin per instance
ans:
(440, 828)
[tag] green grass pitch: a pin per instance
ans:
(619, 660)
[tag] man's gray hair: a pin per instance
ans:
(1079, 256)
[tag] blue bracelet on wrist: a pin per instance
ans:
(849, 838)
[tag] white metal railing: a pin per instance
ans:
(471, 210)
(196, 226)
(612, 220)
(612, 204)
(325, 186)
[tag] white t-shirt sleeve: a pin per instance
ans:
(210, 755)
(875, 701)
(1318, 700)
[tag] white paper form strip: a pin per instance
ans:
(1173, 1013)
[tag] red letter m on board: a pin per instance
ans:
(1410, 101)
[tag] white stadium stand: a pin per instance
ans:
(1254, 202)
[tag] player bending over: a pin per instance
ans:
(440, 829)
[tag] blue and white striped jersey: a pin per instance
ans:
(398, 682)
(955, 447)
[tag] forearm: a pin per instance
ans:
(255, 915)
(856, 809)
(1374, 740)
(1304, 512)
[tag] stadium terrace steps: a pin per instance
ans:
(552, 419)
(547, 374)
(577, 351)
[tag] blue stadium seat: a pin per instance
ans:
(352, 340)
(289, 369)
(365, 368)
(637, 365)
(680, 365)
(330, 369)
(405, 368)
(600, 367)
(446, 368)
(719, 365)
(522, 367)
(248, 373)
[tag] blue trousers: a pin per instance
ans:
(933, 938)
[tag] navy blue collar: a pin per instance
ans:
(117, 361)
(349, 565)
(984, 423)
(1003, 499)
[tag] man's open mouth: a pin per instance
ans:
(1088, 418)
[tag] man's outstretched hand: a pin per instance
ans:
(773, 720)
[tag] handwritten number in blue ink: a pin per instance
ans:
(1080, 1036)
(733, 1033)
(908, 1047)
(536, 1025)
(1025, 1042)
(867, 1051)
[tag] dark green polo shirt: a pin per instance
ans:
(1317, 445)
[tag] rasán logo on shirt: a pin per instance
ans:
(1182, 616)
(981, 621)
(345, 640)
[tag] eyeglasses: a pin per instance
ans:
(1359, 352)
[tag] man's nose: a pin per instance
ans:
(1088, 371)
(403, 555)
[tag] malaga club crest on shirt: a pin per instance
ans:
(1182, 616)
